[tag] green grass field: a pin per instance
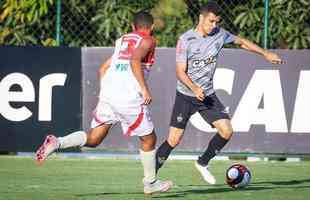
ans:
(91, 179)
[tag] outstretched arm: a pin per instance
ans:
(139, 53)
(250, 46)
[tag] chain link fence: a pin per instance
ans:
(100, 24)
(78, 23)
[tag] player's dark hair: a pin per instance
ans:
(143, 19)
(210, 7)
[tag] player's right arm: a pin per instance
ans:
(184, 78)
(138, 55)
(104, 67)
(181, 67)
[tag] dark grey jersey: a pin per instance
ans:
(200, 54)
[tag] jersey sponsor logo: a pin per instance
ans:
(122, 67)
(204, 62)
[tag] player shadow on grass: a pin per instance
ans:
(172, 193)
(218, 188)
(206, 191)
(105, 193)
(289, 182)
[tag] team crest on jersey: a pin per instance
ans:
(191, 38)
(197, 51)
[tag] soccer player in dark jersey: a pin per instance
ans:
(196, 56)
(125, 71)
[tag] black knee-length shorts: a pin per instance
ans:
(211, 109)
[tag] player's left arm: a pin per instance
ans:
(104, 67)
(250, 46)
(138, 55)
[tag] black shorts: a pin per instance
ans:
(211, 109)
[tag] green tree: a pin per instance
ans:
(171, 20)
(99, 23)
(288, 22)
(113, 18)
(20, 19)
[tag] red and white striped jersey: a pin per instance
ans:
(119, 83)
(127, 43)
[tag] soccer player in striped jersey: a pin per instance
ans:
(124, 97)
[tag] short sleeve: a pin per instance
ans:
(181, 51)
(228, 37)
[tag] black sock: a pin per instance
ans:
(215, 145)
(162, 154)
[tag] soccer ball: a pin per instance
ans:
(238, 176)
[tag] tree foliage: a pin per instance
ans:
(99, 23)
(289, 22)
(18, 20)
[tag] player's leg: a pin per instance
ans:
(136, 121)
(174, 138)
(216, 144)
(76, 139)
(96, 135)
(147, 155)
(217, 116)
(102, 121)
(181, 113)
(218, 141)
(80, 138)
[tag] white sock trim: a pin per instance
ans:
(75, 139)
(148, 162)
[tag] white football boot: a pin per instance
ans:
(157, 186)
(206, 174)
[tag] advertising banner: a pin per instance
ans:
(40, 92)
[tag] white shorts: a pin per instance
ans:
(135, 120)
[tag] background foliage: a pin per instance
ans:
(99, 23)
